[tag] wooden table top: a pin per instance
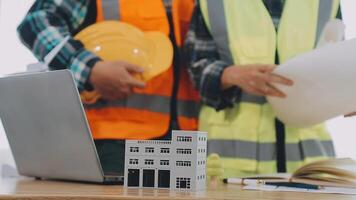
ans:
(27, 188)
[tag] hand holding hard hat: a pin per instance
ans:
(113, 40)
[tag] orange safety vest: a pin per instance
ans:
(146, 113)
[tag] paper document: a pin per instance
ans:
(324, 85)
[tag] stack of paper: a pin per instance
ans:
(324, 85)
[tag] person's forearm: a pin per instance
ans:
(205, 70)
(205, 67)
(47, 24)
(211, 90)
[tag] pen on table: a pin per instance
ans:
(293, 185)
(259, 182)
(244, 181)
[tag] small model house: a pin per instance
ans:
(176, 164)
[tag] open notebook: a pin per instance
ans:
(336, 172)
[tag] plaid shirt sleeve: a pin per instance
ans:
(46, 24)
(205, 67)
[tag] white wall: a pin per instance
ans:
(343, 130)
(14, 57)
(348, 13)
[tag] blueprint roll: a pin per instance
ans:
(324, 85)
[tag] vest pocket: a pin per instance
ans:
(145, 15)
(250, 52)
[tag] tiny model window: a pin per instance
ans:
(148, 162)
(184, 138)
(202, 162)
(164, 162)
(133, 161)
(164, 150)
(202, 138)
(184, 151)
(149, 150)
(183, 163)
(179, 163)
(183, 183)
(187, 163)
(134, 149)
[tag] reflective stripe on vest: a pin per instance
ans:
(146, 113)
(267, 151)
(245, 135)
(324, 15)
(150, 102)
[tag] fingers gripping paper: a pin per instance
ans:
(324, 85)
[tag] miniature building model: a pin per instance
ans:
(176, 164)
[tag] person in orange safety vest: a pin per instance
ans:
(128, 108)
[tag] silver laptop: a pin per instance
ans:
(47, 129)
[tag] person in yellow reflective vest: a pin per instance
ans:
(232, 46)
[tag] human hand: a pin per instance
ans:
(256, 79)
(350, 114)
(114, 80)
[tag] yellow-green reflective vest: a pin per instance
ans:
(245, 136)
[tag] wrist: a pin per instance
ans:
(93, 72)
(226, 78)
(81, 66)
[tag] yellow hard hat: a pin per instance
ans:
(114, 40)
(108, 28)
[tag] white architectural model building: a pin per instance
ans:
(176, 164)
